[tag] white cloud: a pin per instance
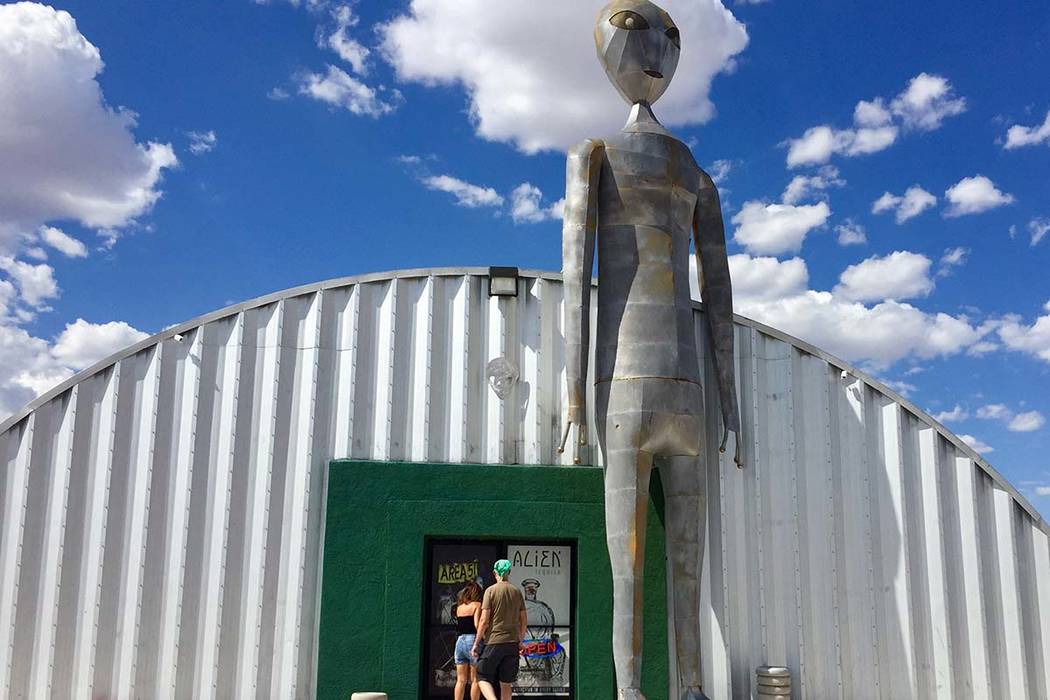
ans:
(819, 143)
(335, 86)
(773, 229)
(804, 187)
(871, 114)
(1042, 490)
(759, 279)
(1039, 228)
(901, 387)
(995, 411)
(922, 106)
(66, 153)
(466, 194)
(340, 41)
(21, 355)
(36, 283)
(719, 170)
(883, 334)
(899, 275)
(30, 366)
(973, 195)
(202, 142)
(978, 446)
(1033, 339)
(982, 348)
(558, 209)
(82, 344)
(775, 292)
(7, 298)
(952, 258)
(1027, 422)
(1018, 136)
(766, 279)
(915, 201)
(866, 141)
(62, 242)
(517, 61)
(39, 381)
(526, 205)
(927, 102)
(955, 415)
(339, 89)
(851, 233)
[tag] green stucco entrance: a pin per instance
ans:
(379, 518)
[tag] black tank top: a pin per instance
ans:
(465, 624)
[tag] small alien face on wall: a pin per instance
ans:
(638, 45)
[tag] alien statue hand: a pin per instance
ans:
(577, 416)
(737, 458)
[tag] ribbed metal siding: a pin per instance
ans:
(162, 512)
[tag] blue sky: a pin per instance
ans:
(884, 168)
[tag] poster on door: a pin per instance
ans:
(544, 665)
(544, 573)
(453, 566)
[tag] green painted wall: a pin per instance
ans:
(378, 517)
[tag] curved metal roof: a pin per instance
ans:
(161, 513)
(264, 300)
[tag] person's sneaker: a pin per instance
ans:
(631, 694)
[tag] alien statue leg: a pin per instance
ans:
(684, 518)
(627, 471)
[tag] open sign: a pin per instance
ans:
(540, 648)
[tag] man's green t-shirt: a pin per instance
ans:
(504, 602)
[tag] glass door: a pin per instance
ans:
(545, 573)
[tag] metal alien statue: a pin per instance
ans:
(641, 194)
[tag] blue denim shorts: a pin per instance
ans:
(464, 643)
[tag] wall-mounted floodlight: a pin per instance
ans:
(503, 281)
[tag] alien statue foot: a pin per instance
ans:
(630, 694)
(694, 694)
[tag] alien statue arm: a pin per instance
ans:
(716, 291)
(582, 169)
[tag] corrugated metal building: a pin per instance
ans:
(161, 523)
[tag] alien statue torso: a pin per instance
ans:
(646, 197)
(647, 373)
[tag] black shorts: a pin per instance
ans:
(499, 662)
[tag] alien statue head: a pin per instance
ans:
(638, 45)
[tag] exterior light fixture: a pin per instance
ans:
(503, 281)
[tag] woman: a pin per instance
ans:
(468, 614)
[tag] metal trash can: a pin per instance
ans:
(369, 696)
(774, 683)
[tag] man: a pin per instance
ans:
(502, 628)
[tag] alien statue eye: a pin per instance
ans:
(674, 36)
(628, 20)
